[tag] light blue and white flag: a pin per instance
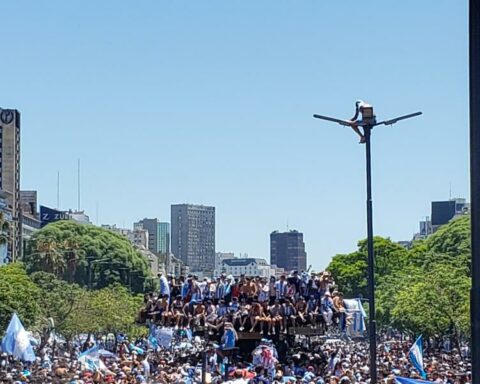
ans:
(152, 342)
(416, 356)
(164, 337)
(407, 380)
(137, 350)
(91, 359)
(16, 341)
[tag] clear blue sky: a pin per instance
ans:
(211, 102)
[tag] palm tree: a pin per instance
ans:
(72, 263)
(49, 258)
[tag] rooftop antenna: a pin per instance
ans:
(450, 191)
(287, 224)
(78, 184)
(96, 212)
(58, 189)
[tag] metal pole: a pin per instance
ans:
(474, 46)
(204, 367)
(371, 263)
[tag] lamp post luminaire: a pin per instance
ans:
(367, 123)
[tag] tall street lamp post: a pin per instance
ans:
(474, 47)
(367, 123)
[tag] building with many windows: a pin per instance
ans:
(164, 238)
(248, 267)
(193, 236)
(287, 250)
(219, 258)
(138, 237)
(150, 225)
(6, 212)
(10, 175)
(29, 216)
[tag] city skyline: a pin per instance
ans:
(223, 114)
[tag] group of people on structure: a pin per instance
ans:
(247, 304)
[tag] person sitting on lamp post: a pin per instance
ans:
(359, 105)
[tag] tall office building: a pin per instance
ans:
(193, 236)
(164, 238)
(10, 174)
(287, 250)
(444, 211)
(158, 235)
(151, 225)
(28, 203)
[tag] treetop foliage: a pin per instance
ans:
(424, 289)
(87, 255)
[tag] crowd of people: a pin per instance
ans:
(326, 361)
(195, 335)
(252, 304)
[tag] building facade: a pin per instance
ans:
(138, 237)
(29, 216)
(10, 174)
(248, 267)
(6, 211)
(151, 225)
(193, 236)
(28, 203)
(287, 250)
(444, 211)
(164, 238)
(219, 258)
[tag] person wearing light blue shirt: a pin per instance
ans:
(229, 337)
(164, 286)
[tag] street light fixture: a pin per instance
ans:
(367, 123)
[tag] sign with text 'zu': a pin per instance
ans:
(50, 215)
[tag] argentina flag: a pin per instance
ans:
(91, 359)
(416, 356)
(16, 341)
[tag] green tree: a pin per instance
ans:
(57, 300)
(115, 309)
(434, 302)
(350, 270)
(350, 273)
(87, 255)
(17, 294)
(452, 238)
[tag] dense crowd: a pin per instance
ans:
(194, 328)
(252, 304)
(330, 361)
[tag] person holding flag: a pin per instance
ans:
(16, 341)
(416, 356)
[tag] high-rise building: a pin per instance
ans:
(193, 236)
(152, 226)
(6, 212)
(28, 203)
(444, 211)
(10, 174)
(287, 250)
(29, 217)
(164, 238)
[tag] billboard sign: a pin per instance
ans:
(50, 215)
